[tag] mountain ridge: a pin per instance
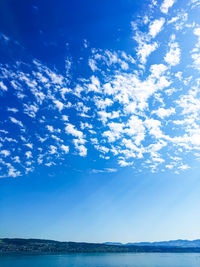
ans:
(34, 246)
(171, 243)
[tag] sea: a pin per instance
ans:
(103, 260)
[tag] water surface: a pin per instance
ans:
(103, 260)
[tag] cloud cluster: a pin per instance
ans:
(141, 108)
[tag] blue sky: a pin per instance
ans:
(99, 125)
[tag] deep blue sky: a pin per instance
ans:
(99, 124)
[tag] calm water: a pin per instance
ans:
(103, 260)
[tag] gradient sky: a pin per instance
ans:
(100, 120)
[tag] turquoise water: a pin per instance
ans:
(103, 260)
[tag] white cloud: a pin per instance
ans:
(92, 64)
(4, 37)
(132, 150)
(173, 56)
(59, 105)
(184, 167)
(28, 154)
(106, 170)
(166, 5)
(154, 127)
(135, 128)
(64, 91)
(14, 110)
(196, 51)
(103, 103)
(94, 85)
(124, 163)
(157, 70)
(53, 149)
(65, 117)
(3, 131)
(110, 170)
(50, 128)
(55, 78)
(31, 110)
(102, 149)
(145, 49)
(65, 148)
(104, 116)
(162, 113)
(17, 159)
(131, 108)
(79, 142)
(29, 145)
(16, 122)
(129, 88)
(86, 125)
(5, 152)
(116, 129)
(57, 138)
(70, 129)
(85, 43)
(12, 172)
(3, 86)
(82, 150)
(189, 103)
(49, 164)
(196, 58)
(156, 26)
(94, 141)
(197, 31)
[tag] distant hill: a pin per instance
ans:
(18, 245)
(171, 243)
(113, 243)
